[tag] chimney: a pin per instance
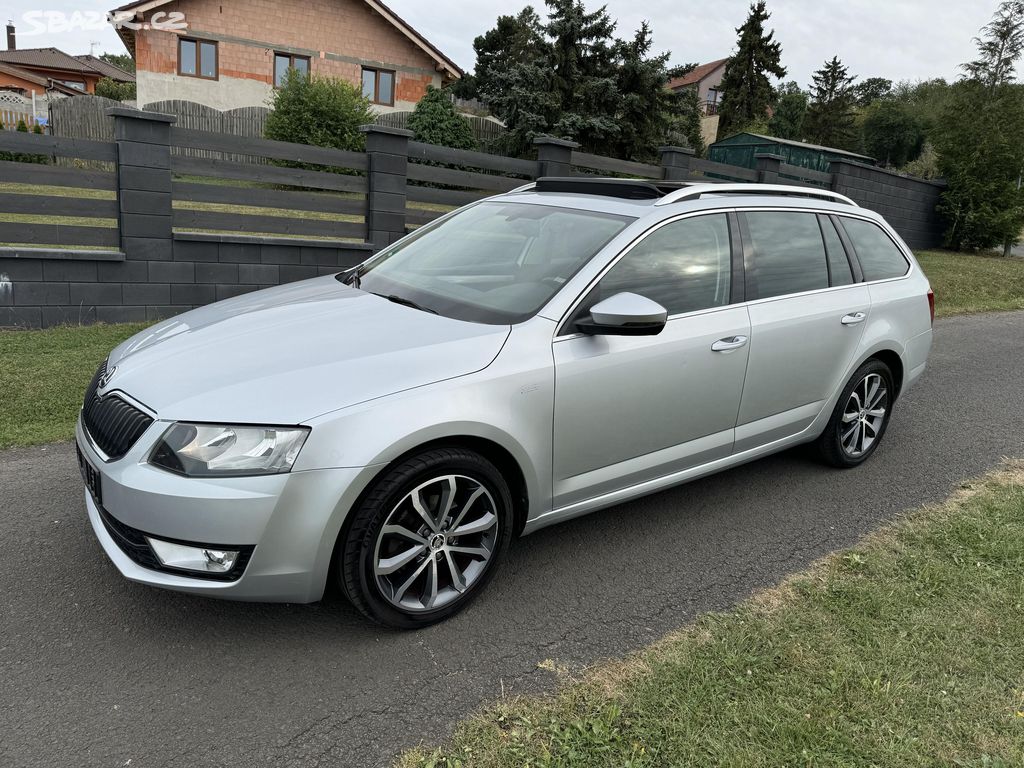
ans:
(12, 43)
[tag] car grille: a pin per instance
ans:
(113, 424)
(133, 543)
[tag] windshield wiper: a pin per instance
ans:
(406, 303)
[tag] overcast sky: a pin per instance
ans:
(898, 39)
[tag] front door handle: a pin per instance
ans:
(728, 345)
(855, 318)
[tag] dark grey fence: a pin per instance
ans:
(167, 218)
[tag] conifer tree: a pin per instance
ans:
(831, 117)
(747, 89)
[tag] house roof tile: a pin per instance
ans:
(107, 69)
(45, 58)
(695, 75)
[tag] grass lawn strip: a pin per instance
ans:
(905, 650)
(967, 283)
(43, 375)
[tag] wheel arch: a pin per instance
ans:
(894, 362)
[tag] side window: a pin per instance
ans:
(838, 263)
(789, 254)
(878, 255)
(685, 266)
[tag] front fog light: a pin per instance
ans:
(193, 558)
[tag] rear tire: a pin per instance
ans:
(426, 539)
(860, 417)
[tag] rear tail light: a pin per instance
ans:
(931, 304)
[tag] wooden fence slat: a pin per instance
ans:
(83, 117)
(276, 225)
(56, 205)
(267, 198)
(455, 197)
(732, 171)
(57, 234)
(432, 152)
(455, 178)
(614, 165)
(419, 217)
(34, 144)
(267, 174)
(278, 150)
(805, 173)
(56, 176)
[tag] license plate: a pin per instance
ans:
(91, 477)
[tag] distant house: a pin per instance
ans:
(235, 55)
(707, 80)
(34, 71)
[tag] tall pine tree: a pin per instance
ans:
(645, 104)
(514, 40)
(831, 116)
(583, 76)
(747, 90)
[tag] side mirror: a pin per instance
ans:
(625, 314)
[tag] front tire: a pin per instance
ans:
(426, 538)
(860, 417)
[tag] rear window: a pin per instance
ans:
(789, 254)
(878, 255)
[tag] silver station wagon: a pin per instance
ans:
(524, 360)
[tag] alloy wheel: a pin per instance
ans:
(864, 415)
(436, 543)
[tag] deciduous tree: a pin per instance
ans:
(892, 134)
(318, 110)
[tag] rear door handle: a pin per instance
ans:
(727, 345)
(855, 318)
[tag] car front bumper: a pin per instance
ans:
(289, 523)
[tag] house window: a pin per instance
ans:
(379, 86)
(285, 61)
(197, 58)
(76, 84)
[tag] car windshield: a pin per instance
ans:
(495, 263)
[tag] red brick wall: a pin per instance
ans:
(341, 27)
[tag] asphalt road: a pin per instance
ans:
(95, 671)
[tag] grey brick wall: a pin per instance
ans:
(909, 205)
(40, 293)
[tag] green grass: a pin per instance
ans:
(904, 651)
(43, 375)
(966, 283)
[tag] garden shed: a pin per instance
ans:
(743, 148)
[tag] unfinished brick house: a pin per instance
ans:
(230, 55)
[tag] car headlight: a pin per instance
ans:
(210, 450)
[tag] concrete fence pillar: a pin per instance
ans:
(842, 175)
(145, 215)
(387, 154)
(768, 168)
(675, 162)
(554, 156)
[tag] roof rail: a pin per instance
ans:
(697, 191)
